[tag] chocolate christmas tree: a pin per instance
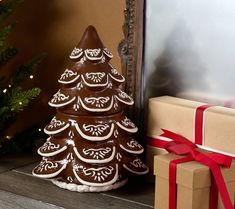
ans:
(90, 147)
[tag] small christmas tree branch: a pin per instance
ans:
(26, 70)
(7, 7)
(7, 55)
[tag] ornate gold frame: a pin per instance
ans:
(131, 53)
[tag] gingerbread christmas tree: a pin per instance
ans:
(90, 147)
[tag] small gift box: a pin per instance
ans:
(193, 184)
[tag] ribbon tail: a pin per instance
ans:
(222, 187)
(218, 177)
(220, 159)
(214, 196)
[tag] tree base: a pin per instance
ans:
(85, 188)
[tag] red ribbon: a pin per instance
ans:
(182, 146)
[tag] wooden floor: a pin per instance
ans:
(20, 190)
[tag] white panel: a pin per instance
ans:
(190, 46)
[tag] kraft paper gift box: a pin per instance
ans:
(193, 183)
(178, 115)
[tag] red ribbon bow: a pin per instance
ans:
(182, 146)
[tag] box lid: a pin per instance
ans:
(178, 115)
(191, 174)
(190, 104)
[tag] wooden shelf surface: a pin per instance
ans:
(20, 190)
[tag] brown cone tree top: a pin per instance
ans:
(90, 40)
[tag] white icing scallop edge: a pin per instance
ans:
(125, 102)
(131, 151)
(96, 109)
(52, 153)
(95, 160)
(76, 56)
(94, 85)
(68, 82)
(85, 188)
(131, 130)
(93, 58)
(56, 131)
(51, 175)
(138, 173)
(95, 138)
(97, 184)
(63, 104)
(118, 80)
(107, 52)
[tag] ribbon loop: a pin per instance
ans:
(178, 148)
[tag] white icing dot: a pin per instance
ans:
(31, 76)
(4, 91)
(20, 103)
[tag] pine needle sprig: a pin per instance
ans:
(6, 30)
(26, 70)
(15, 101)
(21, 98)
(7, 7)
(7, 55)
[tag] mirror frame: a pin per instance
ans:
(131, 53)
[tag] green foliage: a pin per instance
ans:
(7, 7)
(7, 54)
(4, 32)
(13, 98)
(26, 70)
